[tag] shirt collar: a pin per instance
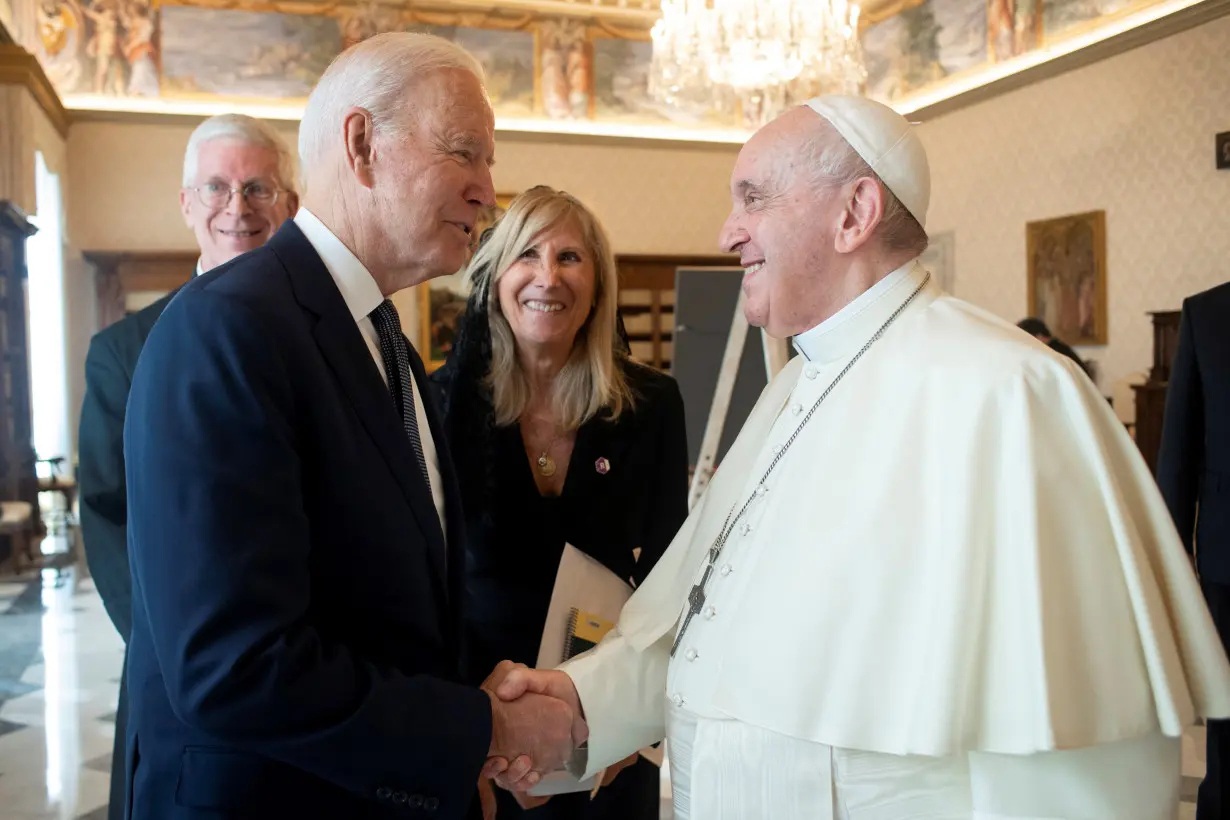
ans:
(198, 266)
(359, 289)
(855, 323)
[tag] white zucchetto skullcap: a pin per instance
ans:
(887, 142)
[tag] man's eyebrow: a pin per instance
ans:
(472, 143)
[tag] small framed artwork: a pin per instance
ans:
(1066, 260)
(443, 300)
(1223, 151)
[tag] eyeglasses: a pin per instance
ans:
(259, 194)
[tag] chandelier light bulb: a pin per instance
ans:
(756, 57)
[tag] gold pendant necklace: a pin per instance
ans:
(546, 464)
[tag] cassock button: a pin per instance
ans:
(777, 448)
(796, 408)
(810, 372)
(746, 528)
(727, 569)
(761, 490)
(677, 700)
(710, 612)
(691, 654)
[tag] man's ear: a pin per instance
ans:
(360, 155)
(861, 216)
(185, 205)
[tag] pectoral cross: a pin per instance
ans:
(696, 600)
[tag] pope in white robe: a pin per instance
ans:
(933, 576)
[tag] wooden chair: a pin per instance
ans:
(17, 536)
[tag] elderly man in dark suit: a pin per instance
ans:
(1193, 472)
(294, 527)
(238, 189)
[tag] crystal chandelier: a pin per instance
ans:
(755, 58)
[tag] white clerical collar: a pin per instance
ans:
(199, 269)
(855, 323)
(359, 289)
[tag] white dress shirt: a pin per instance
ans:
(362, 296)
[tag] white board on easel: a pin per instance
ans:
(718, 392)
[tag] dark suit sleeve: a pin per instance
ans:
(100, 474)
(669, 505)
(1180, 460)
(221, 548)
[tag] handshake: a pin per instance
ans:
(537, 724)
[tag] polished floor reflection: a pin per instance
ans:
(60, 664)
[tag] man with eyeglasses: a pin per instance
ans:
(237, 191)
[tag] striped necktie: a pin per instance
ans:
(395, 351)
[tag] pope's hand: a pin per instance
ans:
(533, 733)
(528, 802)
(614, 769)
(513, 683)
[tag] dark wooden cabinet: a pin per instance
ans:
(1151, 395)
(18, 479)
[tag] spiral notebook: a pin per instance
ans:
(585, 606)
(585, 631)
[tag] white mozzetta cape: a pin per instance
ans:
(965, 552)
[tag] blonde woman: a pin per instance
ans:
(558, 437)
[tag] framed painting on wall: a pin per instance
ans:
(443, 300)
(1066, 259)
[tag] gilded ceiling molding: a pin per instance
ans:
(604, 28)
(502, 14)
(20, 67)
(880, 10)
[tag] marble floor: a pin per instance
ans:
(60, 663)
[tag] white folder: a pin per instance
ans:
(585, 584)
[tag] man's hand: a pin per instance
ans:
(535, 731)
(512, 683)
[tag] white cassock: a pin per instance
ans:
(957, 595)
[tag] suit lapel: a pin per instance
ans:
(598, 439)
(341, 343)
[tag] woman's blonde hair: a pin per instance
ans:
(593, 376)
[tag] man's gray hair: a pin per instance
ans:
(244, 129)
(374, 75)
(833, 162)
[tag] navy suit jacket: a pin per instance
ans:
(294, 649)
(1193, 469)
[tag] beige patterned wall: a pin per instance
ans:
(25, 130)
(652, 197)
(1132, 135)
